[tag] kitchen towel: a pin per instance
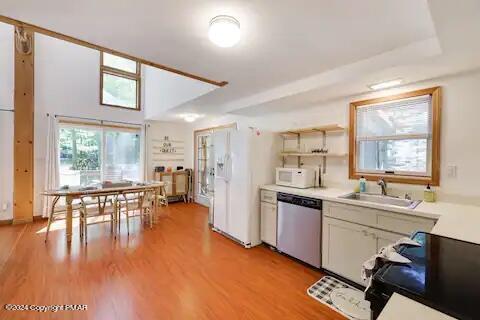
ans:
(386, 254)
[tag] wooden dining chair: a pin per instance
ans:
(58, 212)
(142, 201)
(105, 205)
(162, 198)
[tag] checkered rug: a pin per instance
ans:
(322, 289)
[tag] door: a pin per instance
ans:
(345, 247)
(222, 192)
(240, 190)
(268, 223)
(204, 167)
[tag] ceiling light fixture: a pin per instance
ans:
(224, 31)
(386, 84)
(190, 117)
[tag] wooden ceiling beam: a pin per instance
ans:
(83, 43)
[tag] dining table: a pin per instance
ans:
(72, 193)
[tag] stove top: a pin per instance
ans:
(444, 274)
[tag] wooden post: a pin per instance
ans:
(23, 126)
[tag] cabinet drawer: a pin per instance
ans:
(268, 196)
(403, 224)
(350, 213)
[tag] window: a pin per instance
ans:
(396, 138)
(119, 82)
(91, 154)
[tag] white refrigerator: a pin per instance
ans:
(245, 159)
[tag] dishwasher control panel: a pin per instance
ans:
(300, 201)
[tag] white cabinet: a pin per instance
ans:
(268, 229)
(384, 238)
(345, 247)
(381, 219)
(268, 217)
(268, 196)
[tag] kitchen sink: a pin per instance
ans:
(378, 198)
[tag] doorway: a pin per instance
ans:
(204, 167)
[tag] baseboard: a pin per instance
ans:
(21, 221)
(6, 222)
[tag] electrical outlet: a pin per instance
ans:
(452, 171)
(5, 206)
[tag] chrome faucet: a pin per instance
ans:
(381, 182)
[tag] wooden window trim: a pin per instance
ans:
(86, 44)
(137, 76)
(75, 123)
(434, 179)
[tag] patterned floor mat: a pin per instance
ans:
(341, 297)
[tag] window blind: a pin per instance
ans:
(397, 120)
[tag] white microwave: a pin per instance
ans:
(295, 177)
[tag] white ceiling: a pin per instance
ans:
(292, 52)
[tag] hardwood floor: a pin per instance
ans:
(180, 269)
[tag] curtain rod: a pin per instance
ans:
(92, 119)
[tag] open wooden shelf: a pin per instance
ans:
(321, 129)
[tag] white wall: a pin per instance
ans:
(459, 143)
(165, 90)
(67, 82)
(6, 66)
(6, 120)
(6, 165)
(175, 131)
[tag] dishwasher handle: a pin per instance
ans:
(300, 200)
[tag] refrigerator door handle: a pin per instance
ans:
(228, 167)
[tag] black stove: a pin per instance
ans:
(444, 275)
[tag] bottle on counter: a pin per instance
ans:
(362, 183)
(429, 194)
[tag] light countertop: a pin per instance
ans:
(454, 220)
(401, 308)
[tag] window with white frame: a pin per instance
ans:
(396, 138)
(92, 154)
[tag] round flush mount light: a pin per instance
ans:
(224, 31)
(190, 117)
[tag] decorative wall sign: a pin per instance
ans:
(167, 150)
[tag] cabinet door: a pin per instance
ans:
(180, 183)
(268, 229)
(384, 238)
(345, 247)
(168, 179)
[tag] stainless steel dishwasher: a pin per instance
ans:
(300, 227)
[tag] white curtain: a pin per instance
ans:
(52, 162)
(144, 149)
